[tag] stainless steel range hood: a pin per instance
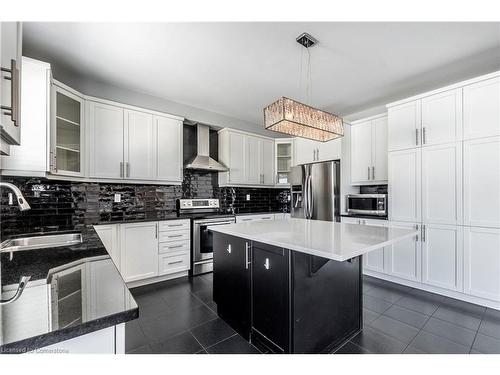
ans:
(203, 160)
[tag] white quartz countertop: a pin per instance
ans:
(336, 241)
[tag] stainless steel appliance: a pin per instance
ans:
(366, 204)
(205, 214)
(315, 191)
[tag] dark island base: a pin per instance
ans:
(285, 301)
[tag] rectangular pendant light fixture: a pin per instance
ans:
(300, 120)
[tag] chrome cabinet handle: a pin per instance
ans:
(156, 231)
(266, 264)
(128, 169)
(247, 250)
(423, 136)
(121, 169)
(229, 248)
(175, 247)
(416, 137)
(314, 155)
(13, 110)
(368, 172)
(175, 225)
(373, 173)
(317, 154)
(423, 233)
(229, 175)
(176, 262)
(416, 227)
(20, 288)
(175, 235)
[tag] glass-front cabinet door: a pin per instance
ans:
(66, 132)
(284, 161)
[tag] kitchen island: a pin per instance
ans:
(294, 286)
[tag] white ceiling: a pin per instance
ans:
(236, 69)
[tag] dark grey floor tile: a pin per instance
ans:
(464, 307)
(205, 295)
(212, 332)
(160, 329)
(413, 318)
(184, 343)
(412, 350)
(486, 344)
(202, 352)
(181, 303)
(457, 317)
(134, 337)
(377, 342)
(491, 324)
(389, 295)
(427, 296)
(145, 349)
(198, 315)
(375, 304)
(145, 289)
(473, 351)
(418, 304)
(212, 306)
(450, 331)
(351, 348)
(432, 344)
(208, 277)
(152, 310)
(369, 316)
(399, 330)
(233, 345)
(147, 299)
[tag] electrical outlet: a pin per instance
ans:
(248, 197)
(118, 197)
(11, 199)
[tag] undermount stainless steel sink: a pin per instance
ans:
(40, 242)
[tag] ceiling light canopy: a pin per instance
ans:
(300, 120)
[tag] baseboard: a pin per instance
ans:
(134, 284)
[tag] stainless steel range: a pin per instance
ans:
(205, 214)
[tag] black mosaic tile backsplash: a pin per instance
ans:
(66, 205)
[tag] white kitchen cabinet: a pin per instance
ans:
(403, 126)
(250, 159)
(138, 145)
(442, 256)
(404, 258)
(109, 236)
(139, 251)
(404, 171)
(168, 149)
(481, 110)
(106, 132)
(482, 262)
(284, 154)
(481, 182)
(369, 151)
(442, 184)
(361, 152)
(107, 291)
(442, 117)
(11, 37)
(31, 157)
(305, 151)
(375, 260)
(66, 132)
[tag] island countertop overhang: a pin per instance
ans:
(331, 240)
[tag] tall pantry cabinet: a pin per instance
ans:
(444, 176)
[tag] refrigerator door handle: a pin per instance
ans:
(304, 195)
(310, 201)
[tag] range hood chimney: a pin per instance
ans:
(203, 160)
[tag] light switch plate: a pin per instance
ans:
(248, 197)
(118, 197)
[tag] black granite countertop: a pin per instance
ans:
(84, 272)
(365, 217)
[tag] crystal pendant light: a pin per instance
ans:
(294, 118)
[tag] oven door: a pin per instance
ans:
(203, 239)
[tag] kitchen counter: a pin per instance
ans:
(74, 290)
(331, 240)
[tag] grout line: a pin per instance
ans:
(227, 338)
(477, 332)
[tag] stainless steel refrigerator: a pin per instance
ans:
(315, 191)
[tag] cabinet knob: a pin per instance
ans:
(229, 248)
(266, 264)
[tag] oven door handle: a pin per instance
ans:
(213, 224)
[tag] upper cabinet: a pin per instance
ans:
(482, 109)
(133, 145)
(432, 120)
(369, 151)
(249, 158)
(66, 135)
(284, 160)
(10, 84)
(309, 151)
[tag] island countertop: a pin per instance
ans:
(331, 240)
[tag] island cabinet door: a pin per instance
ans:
(232, 281)
(270, 293)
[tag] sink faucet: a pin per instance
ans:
(21, 201)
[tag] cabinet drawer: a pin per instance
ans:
(171, 263)
(173, 225)
(181, 235)
(174, 246)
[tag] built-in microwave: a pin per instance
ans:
(366, 204)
